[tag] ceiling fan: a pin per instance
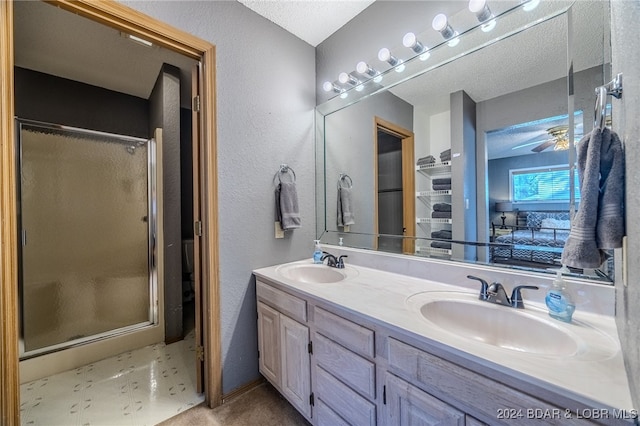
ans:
(555, 136)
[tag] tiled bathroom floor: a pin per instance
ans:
(140, 387)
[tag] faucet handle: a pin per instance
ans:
(516, 296)
(340, 263)
(484, 293)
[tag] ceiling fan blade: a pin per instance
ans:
(544, 145)
(533, 141)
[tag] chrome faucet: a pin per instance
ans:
(495, 293)
(332, 261)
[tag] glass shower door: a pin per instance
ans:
(85, 222)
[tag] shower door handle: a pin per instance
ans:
(24, 237)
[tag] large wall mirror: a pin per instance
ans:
(469, 156)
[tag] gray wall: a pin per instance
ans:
(265, 99)
(52, 99)
(164, 104)
(626, 59)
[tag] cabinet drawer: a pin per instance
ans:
(472, 392)
(352, 369)
(289, 305)
(349, 334)
(325, 416)
(344, 402)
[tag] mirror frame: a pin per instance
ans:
(416, 68)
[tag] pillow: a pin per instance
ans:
(555, 224)
(548, 223)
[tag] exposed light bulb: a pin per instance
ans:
(345, 78)
(530, 5)
(327, 86)
(480, 9)
(363, 68)
(441, 24)
(385, 55)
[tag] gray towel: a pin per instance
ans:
(429, 159)
(443, 234)
(441, 215)
(442, 207)
(287, 205)
(610, 226)
(443, 187)
(345, 207)
(581, 249)
(441, 181)
(441, 245)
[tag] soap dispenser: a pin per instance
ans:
(559, 300)
(317, 253)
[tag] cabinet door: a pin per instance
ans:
(269, 343)
(295, 367)
(407, 405)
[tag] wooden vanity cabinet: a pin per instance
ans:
(354, 371)
(283, 345)
(343, 370)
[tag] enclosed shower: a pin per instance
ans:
(87, 223)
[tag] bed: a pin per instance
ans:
(537, 238)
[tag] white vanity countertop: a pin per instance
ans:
(597, 379)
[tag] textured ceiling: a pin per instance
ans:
(310, 20)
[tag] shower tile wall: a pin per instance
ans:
(141, 387)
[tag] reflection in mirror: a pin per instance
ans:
(493, 132)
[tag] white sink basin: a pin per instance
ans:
(461, 317)
(500, 326)
(312, 273)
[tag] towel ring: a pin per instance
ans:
(613, 88)
(346, 179)
(284, 169)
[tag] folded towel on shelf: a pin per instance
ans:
(345, 207)
(443, 187)
(441, 181)
(581, 249)
(429, 159)
(441, 245)
(445, 155)
(287, 210)
(441, 215)
(443, 234)
(442, 207)
(610, 225)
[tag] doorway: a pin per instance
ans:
(395, 220)
(127, 21)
